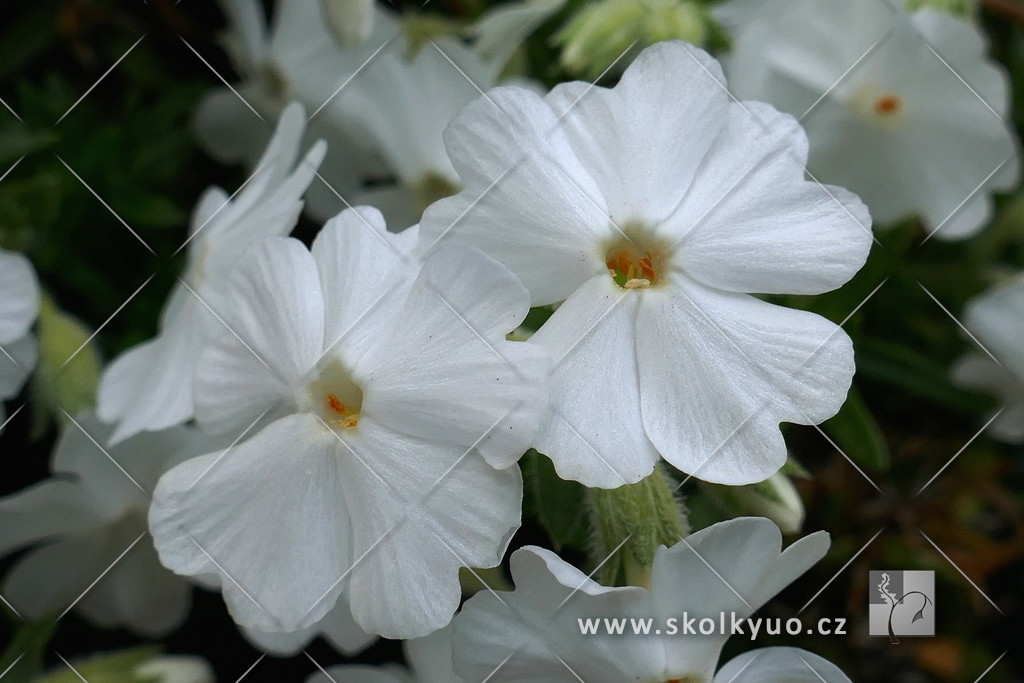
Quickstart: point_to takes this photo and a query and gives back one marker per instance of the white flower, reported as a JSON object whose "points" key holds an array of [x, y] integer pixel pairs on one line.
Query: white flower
{"points": [[429, 659], [149, 387], [996, 320], [19, 305], [296, 58], [905, 110], [534, 632], [337, 627], [653, 208], [390, 402], [79, 522], [503, 29], [382, 110], [405, 105]]}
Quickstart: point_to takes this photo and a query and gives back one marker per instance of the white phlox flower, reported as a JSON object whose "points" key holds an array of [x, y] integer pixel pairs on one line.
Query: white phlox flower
{"points": [[19, 306], [904, 109], [652, 209], [534, 633], [90, 518], [382, 106], [996, 321], [149, 387], [429, 659], [389, 398], [295, 57]]}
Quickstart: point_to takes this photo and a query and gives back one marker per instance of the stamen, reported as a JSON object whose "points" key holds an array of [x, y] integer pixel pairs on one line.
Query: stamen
{"points": [[888, 105], [335, 404]]}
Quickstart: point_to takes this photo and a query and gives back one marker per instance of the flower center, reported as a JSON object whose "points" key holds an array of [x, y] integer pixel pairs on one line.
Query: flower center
{"points": [[887, 105], [879, 106], [335, 397], [636, 260]]}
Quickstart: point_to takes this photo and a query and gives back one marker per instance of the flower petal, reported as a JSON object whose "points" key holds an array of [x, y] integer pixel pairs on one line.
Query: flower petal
{"points": [[264, 515], [642, 141], [45, 509], [449, 356], [15, 366], [276, 332], [719, 371], [139, 593], [19, 296], [527, 202], [337, 627], [364, 270], [149, 386], [733, 566], [430, 657], [50, 578], [780, 665], [751, 223], [419, 512], [595, 433], [533, 634]]}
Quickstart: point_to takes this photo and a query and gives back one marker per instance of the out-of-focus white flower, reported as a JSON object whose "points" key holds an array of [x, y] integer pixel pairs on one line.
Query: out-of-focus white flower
{"points": [[996, 320], [504, 28], [393, 397], [337, 628], [19, 305], [429, 659], [351, 20], [80, 522], [149, 387], [294, 58], [534, 633], [382, 106], [404, 105], [652, 209], [905, 110]]}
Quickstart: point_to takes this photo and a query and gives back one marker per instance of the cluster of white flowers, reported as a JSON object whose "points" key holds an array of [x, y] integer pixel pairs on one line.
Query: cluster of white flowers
{"points": [[327, 433], [902, 108]]}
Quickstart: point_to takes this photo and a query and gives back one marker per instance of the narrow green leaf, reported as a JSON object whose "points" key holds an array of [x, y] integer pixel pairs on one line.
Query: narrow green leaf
{"points": [[23, 659], [558, 505], [907, 370], [857, 434]]}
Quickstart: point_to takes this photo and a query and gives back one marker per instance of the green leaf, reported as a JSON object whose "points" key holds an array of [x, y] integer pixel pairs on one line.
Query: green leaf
{"points": [[558, 505], [857, 434], [907, 370], [23, 659]]}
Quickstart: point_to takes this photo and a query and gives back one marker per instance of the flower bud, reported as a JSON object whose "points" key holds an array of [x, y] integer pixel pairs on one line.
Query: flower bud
{"points": [[69, 365], [775, 498], [602, 31]]}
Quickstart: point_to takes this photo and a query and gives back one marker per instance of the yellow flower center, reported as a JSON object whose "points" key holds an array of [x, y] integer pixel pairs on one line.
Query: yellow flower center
{"points": [[335, 397], [636, 260]]}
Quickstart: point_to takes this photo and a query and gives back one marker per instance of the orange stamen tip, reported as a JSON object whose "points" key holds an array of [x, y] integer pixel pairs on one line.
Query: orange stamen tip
{"points": [[335, 404], [887, 105]]}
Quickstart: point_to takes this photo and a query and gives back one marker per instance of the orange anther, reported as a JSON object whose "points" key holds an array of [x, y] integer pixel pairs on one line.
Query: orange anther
{"points": [[335, 405], [889, 104]]}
